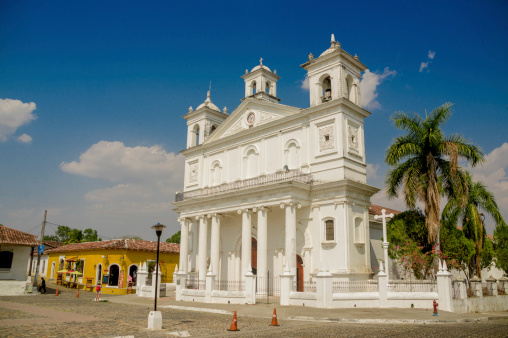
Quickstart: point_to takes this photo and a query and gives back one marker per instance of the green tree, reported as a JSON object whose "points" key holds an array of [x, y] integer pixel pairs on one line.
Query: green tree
{"points": [[501, 247], [456, 247], [424, 162], [67, 235], [175, 238], [90, 235], [469, 211]]}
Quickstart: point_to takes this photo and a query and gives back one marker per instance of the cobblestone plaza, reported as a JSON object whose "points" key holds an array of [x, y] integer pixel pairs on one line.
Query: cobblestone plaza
{"points": [[66, 315]]}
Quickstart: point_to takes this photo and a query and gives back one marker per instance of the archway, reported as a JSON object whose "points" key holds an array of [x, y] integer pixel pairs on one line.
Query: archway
{"points": [[98, 274], [299, 274], [53, 265], [114, 271], [133, 272]]}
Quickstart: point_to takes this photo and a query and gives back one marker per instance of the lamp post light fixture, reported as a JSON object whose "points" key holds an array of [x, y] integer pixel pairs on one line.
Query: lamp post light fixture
{"points": [[158, 231], [155, 317]]}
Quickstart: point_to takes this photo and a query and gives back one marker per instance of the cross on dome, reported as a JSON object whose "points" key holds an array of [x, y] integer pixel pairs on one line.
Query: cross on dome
{"points": [[261, 61]]}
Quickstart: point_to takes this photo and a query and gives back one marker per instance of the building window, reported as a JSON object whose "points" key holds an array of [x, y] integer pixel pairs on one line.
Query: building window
{"points": [[5, 260], [329, 230], [43, 266]]}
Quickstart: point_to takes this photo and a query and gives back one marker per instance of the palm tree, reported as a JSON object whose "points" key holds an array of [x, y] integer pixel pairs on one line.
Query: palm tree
{"points": [[471, 214], [425, 163]]}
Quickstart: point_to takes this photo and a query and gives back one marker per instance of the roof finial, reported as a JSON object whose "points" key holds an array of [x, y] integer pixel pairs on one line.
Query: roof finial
{"points": [[261, 61], [333, 38]]}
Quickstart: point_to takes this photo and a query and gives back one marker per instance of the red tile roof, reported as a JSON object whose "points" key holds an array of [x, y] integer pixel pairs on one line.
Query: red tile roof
{"points": [[16, 237], [119, 244], [376, 210], [52, 244]]}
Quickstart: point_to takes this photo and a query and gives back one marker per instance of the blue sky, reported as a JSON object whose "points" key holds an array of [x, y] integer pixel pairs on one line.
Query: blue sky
{"points": [[109, 82]]}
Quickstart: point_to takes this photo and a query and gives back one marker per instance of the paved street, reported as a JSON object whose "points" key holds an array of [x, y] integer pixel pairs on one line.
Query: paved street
{"points": [[65, 315]]}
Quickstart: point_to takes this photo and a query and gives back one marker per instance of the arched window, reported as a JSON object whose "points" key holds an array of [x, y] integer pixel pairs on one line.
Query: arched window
{"points": [[329, 229], [251, 163], [216, 174], [6, 260], [253, 87], [349, 88], [359, 231], [326, 87], [292, 152], [267, 87], [195, 136], [98, 274], [61, 264]]}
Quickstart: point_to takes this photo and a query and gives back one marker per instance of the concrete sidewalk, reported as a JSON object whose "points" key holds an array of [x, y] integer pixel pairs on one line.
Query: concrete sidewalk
{"points": [[301, 313]]}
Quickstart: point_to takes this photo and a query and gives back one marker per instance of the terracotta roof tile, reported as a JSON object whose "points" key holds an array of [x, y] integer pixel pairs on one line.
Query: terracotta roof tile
{"points": [[119, 244], [16, 237], [376, 210], [52, 244]]}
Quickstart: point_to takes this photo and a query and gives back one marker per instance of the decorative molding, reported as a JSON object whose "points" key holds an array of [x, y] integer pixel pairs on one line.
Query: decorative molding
{"points": [[353, 138], [326, 138], [193, 172]]}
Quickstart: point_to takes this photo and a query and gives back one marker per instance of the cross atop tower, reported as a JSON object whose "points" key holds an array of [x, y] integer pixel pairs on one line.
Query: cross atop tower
{"points": [[261, 61]]}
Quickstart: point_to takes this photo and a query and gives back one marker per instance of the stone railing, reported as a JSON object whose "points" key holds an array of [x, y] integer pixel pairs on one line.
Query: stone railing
{"points": [[355, 286], [279, 177]]}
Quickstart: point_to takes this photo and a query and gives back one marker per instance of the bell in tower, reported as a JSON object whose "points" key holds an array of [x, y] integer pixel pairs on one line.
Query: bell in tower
{"points": [[335, 74], [261, 83]]}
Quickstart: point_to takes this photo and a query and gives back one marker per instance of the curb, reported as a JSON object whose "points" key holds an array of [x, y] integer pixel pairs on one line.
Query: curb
{"points": [[392, 321]]}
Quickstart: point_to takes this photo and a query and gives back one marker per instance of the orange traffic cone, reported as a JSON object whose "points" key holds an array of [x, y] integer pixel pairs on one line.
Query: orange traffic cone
{"points": [[57, 292], [233, 324], [77, 294], [274, 318]]}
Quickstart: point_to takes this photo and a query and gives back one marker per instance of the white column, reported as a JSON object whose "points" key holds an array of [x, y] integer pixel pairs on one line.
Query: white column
{"points": [[184, 246], [290, 247], [262, 259], [203, 241], [246, 241], [214, 246]]}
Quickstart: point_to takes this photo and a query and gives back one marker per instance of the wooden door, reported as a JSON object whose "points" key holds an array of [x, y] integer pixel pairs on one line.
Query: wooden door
{"points": [[299, 274]]}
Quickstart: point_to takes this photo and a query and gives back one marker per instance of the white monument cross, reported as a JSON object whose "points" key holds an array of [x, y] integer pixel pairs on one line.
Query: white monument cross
{"points": [[384, 216]]}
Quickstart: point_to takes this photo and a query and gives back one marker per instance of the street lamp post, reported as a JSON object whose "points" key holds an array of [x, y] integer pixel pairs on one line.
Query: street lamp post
{"points": [[155, 317], [158, 230]]}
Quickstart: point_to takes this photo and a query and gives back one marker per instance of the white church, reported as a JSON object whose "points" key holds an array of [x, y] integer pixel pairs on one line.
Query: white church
{"points": [[273, 190]]}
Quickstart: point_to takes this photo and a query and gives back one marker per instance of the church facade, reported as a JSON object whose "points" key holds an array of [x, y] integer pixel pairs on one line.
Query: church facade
{"points": [[274, 190]]}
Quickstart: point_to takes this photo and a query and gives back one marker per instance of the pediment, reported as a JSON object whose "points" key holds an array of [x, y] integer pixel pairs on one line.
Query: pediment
{"points": [[251, 114]]}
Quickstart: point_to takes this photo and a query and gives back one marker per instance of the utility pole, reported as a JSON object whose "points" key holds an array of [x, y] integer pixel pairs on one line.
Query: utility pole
{"points": [[39, 255]]}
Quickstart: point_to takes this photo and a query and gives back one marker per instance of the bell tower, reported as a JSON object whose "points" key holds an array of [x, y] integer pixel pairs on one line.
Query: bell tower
{"points": [[333, 75], [261, 83], [203, 121]]}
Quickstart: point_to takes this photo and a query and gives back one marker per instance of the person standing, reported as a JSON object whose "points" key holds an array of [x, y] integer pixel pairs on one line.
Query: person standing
{"points": [[98, 290], [42, 286]]}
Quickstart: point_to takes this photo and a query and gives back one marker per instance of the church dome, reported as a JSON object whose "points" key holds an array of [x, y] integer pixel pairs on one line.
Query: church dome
{"points": [[208, 103], [333, 46], [260, 66]]}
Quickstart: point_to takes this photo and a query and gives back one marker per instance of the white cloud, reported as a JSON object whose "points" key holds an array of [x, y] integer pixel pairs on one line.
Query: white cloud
{"points": [[14, 114], [425, 65], [493, 173], [305, 83], [372, 170], [368, 86], [145, 178], [25, 138], [117, 163]]}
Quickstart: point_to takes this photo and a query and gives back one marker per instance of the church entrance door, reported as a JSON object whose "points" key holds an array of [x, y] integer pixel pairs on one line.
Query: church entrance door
{"points": [[299, 274], [254, 256]]}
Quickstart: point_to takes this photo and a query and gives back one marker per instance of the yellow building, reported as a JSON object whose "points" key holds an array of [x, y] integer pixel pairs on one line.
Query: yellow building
{"points": [[113, 263]]}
